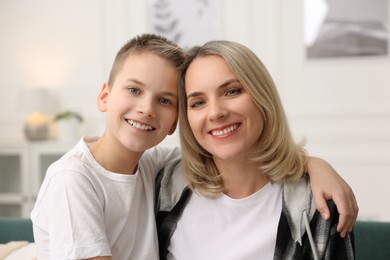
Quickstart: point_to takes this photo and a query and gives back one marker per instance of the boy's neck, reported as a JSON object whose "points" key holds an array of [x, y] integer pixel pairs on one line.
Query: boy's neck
{"points": [[113, 157]]}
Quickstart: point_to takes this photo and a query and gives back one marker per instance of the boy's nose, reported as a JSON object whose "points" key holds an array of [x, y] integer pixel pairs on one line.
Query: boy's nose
{"points": [[147, 108]]}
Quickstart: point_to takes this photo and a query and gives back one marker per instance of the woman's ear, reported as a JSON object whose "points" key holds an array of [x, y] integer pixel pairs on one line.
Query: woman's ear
{"points": [[102, 98]]}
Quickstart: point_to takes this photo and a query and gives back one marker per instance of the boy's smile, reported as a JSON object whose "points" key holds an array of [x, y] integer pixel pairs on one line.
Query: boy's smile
{"points": [[139, 125]]}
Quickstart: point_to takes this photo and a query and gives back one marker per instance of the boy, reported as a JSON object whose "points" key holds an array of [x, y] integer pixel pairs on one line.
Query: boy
{"points": [[97, 200]]}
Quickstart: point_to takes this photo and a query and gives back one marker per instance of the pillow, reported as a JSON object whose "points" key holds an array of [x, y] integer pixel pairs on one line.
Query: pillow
{"points": [[16, 250]]}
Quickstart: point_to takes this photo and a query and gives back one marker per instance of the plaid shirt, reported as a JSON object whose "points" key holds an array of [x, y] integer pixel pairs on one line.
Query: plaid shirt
{"points": [[328, 243]]}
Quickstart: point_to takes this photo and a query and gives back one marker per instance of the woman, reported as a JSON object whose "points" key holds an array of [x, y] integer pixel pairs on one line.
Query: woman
{"points": [[248, 196]]}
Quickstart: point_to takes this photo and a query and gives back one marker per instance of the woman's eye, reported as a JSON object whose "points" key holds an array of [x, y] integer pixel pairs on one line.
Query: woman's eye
{"points": [[235, 91], [134, 91], [196, 104]]}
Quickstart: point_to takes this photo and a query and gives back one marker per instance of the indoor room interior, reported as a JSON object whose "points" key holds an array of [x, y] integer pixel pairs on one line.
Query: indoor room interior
{"points": [[56, 55]]}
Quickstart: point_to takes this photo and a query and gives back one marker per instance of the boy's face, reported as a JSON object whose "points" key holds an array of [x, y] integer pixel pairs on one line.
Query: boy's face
{"points": [[141, 106]]}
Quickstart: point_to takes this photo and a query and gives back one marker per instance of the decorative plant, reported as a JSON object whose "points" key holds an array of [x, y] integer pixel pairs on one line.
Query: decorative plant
{"points": [[67, 115]]}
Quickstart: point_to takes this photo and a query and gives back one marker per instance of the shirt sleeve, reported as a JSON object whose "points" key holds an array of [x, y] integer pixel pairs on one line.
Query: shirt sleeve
{"points": [[75, 218], [160, 156]]}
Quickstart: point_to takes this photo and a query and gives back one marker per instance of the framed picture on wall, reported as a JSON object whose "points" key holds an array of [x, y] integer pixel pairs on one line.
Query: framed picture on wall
{"points": [[186, 22], [334, 28]]}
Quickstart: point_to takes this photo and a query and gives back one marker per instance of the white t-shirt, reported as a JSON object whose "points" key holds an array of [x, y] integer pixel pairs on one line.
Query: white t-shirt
{"points": [[83, 210], [229, 229]]}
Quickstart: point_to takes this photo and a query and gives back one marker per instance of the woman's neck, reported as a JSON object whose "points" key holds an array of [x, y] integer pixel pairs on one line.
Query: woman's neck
{"points": [[241, 178]]}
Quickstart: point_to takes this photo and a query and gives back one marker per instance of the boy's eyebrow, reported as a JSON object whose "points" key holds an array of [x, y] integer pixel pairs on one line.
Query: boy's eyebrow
{"points": [[223, 85], [135, 81], [168, 93]]}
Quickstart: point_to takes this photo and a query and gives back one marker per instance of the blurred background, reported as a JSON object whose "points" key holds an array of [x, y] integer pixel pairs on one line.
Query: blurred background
{"points": [[56, 55]]}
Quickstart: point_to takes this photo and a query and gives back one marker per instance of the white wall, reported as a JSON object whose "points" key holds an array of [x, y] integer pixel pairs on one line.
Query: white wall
{"points": [[65, 46], [342, 106]]}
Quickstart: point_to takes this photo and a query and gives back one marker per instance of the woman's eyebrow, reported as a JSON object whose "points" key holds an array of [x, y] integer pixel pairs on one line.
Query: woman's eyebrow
{"points": [[194, 94], [227, 83], [223, 85]]}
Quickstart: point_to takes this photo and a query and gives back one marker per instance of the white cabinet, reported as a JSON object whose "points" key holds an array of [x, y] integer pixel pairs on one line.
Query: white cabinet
{"points": [[22, 169]]}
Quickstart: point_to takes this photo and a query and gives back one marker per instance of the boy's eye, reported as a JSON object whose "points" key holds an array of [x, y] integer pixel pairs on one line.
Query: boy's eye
{"points": [[165, 101], [133, 90], [234, 91]]}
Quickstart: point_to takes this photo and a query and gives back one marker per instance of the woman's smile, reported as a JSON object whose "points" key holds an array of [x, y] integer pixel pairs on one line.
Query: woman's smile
{"points": [[224, 131]]}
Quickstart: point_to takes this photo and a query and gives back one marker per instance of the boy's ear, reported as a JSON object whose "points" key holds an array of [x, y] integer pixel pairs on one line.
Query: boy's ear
{"points": [[173, 128], [103, 98]]}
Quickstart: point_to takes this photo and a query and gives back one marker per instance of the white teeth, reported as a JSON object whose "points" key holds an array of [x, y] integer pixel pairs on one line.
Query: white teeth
{"points": [[139, 126], [224, 131]]}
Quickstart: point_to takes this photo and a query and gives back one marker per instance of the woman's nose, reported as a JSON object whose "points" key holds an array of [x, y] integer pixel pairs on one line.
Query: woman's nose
{"points": [[216, 110]]}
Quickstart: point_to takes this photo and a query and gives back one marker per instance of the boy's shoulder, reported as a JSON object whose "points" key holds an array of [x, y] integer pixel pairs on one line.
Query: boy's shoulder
{"points": [[161, 150], [161, 155], [77, 159]]}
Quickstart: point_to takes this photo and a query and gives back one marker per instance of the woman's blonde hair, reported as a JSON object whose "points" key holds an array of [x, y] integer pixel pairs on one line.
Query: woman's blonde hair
{"points": [[280, 157]]}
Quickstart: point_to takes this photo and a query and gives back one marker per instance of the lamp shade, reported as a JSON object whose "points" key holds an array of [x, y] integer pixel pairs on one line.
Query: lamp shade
{"points": [[35, 100]]}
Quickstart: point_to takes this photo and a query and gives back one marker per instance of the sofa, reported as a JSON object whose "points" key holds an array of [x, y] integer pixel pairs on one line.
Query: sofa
{"points": [[15, 229], [372, 239], [16, 239]]}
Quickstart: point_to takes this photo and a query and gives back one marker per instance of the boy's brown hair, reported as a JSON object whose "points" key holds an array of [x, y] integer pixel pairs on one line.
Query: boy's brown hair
{"points": [[152, 43]]}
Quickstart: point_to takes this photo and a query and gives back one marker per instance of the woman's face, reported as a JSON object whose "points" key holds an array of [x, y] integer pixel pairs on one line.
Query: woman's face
{"points": [[221, 113]]}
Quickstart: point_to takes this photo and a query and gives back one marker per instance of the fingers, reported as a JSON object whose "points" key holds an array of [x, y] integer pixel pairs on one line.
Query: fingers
{"points": [[348, 210], [327, 184], [321, 205], [343, 225]]}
